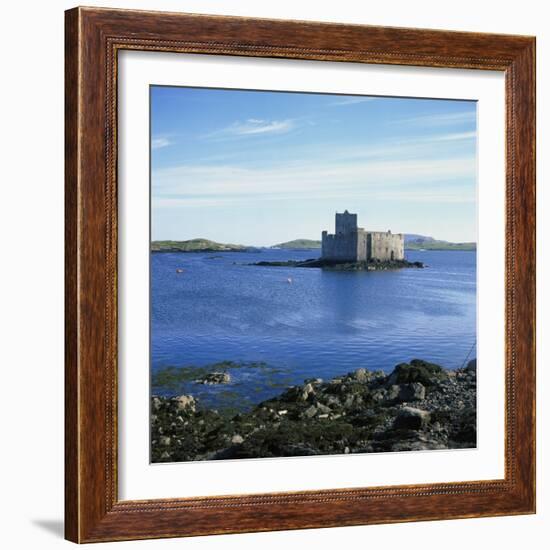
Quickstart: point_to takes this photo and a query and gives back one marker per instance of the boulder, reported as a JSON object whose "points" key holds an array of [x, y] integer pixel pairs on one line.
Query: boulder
{"points": [[307, 390], [361, 375], [409, 418], [237, 439], [472, 366], [412, 392], [332, 401], [155, 402], [426, 373], [350, 399], [400, 393], [215, 378], [393, 393], [185, 402]]}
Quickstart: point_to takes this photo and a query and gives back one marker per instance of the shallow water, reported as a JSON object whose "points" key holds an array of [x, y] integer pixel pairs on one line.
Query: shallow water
{"points": [[320, 324]]}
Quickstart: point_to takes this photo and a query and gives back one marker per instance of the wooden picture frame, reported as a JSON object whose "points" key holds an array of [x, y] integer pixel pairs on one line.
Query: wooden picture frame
{"points": [[93, 511]]}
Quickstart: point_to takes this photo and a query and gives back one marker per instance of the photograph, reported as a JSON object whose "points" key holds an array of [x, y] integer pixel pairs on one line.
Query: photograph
{"points": [[312, 274], [286, 282]]}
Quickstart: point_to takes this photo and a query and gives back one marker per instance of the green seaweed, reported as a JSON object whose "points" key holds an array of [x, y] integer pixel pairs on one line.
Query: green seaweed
{"points": [[173, 377]]}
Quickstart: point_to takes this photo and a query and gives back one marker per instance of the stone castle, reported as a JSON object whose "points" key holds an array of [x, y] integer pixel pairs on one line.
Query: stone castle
{"points": [[353, 244]]}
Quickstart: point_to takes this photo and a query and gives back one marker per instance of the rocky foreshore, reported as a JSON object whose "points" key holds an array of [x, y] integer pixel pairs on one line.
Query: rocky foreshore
{"points": [[418, 406], [374, 265]]}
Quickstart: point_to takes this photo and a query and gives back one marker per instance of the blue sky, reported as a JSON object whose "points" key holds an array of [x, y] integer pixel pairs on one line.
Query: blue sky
{"points": [[260, 168]]}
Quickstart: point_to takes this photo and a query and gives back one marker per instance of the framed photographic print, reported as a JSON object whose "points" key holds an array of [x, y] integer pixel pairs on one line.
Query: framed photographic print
{"points": [[300, 275]]}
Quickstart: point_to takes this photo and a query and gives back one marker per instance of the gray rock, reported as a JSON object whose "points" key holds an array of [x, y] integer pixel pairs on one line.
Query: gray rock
{"points": [[185, 402], [349, 401], [165, 440], [215, 378], [307, 390], [378, 395], [393, 393], [237, 439], [412, 392], [155, 402], [361, 375], [323, 408], [332, 401], [400, 393], [409, 418], [310, 412]]}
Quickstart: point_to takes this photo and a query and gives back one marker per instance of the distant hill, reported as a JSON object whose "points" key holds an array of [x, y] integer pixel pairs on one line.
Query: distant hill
{"points": [[413, 237], [440, 245], [299, 243], [196, 245], [420, 242], [412, 242]]}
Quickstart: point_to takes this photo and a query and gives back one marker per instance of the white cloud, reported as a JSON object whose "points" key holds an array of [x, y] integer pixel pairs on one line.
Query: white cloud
{"points": [[441, 119], [421, 169], [410, 180], [253, 127], [453, 137], [160, 142], [352, 101]]}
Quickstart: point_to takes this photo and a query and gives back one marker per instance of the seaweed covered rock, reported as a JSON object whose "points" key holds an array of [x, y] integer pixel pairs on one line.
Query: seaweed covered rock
{"points": [[215, 378], [417, 370], [418, 406], [409, 418]]}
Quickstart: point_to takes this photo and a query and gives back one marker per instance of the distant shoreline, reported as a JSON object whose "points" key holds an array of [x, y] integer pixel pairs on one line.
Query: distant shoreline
{"points": [[208, 246], [443, 247]]}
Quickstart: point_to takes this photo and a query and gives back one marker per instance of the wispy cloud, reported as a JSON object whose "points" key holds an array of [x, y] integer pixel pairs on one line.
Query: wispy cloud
{"points": [[458, 136], [407, 180], [439, 119], [411, 170], [160, 142], [352, 101], [253, 127]]}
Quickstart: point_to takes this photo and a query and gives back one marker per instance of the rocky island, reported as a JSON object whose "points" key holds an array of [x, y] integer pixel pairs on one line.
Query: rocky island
{"points": [[373, 265], [418, 406]]}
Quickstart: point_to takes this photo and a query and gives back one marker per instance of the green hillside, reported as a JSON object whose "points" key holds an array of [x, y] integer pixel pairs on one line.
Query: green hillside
{"points": [[438, 245], [299, 243], [195, 245]]}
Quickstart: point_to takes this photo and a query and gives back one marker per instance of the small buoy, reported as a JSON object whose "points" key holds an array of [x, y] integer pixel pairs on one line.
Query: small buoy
{"points": [[289, 280], [179, 270]]}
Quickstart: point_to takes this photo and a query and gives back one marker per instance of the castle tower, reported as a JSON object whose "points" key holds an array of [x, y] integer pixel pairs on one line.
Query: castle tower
{"points": [[346, 223]]}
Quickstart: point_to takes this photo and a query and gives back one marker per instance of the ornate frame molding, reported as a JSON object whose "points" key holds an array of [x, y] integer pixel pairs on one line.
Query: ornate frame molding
{"points": [[93, 38]]}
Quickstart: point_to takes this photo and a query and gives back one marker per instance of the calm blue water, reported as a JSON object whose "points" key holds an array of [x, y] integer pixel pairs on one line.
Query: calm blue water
{"points": [[322, 324]]}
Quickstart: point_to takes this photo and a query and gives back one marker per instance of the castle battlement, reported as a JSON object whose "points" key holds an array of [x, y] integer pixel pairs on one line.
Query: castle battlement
{"points": [[350, 243]]}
